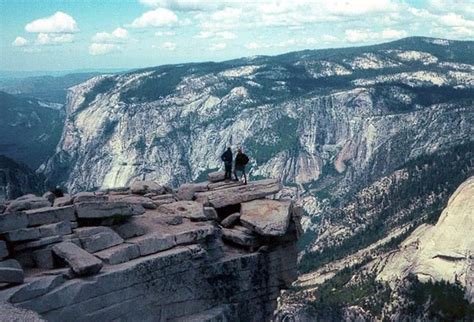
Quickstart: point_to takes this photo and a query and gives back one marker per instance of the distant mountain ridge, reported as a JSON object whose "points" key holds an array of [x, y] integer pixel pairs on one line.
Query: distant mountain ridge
{"points": [[300, 115]]}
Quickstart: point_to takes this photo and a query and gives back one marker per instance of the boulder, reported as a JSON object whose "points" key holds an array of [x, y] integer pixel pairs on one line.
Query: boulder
{"points": [[37, 288], [163, 199], [28, 202], [11, 272], [146, 202], [174, 220], [49, 196], [153, 243], [216, 176], [65, 200], [60, 228], [230, 220], [266, 217], [187, 191], [23, 234], [50, 215], [12, 221], [88, 196], [3, 250], [192, 233], [117, 191], [188, 209], [94, 239], [81, 262], [107, 209], [224, 185], [235, 195], [210, 213], [43, 257], [144, 187], [119, 254], [130, 229], [38, 243], [27, 196], [239, 237]]}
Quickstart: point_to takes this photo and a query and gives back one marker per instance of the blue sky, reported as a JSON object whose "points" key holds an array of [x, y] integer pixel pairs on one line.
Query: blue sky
{"points": [[96, 34]]}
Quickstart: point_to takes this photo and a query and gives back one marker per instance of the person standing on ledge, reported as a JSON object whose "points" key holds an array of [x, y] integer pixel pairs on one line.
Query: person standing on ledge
{"points": [[227, 158], [241, 161]]}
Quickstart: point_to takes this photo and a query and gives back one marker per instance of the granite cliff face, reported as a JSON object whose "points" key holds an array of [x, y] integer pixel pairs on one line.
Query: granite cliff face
{"points": [[319, 119], [209, 251]]}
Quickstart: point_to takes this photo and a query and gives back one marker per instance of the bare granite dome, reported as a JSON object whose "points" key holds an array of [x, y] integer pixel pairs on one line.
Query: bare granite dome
{"points": [[443, 251]]}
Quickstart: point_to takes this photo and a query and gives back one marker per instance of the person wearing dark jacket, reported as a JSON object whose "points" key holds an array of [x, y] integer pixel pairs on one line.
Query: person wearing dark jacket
{"points": [[241, 161], [227, 158]]}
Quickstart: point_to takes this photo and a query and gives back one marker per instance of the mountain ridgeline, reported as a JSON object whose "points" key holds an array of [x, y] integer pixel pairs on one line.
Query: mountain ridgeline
{"points": [[323, 119]]}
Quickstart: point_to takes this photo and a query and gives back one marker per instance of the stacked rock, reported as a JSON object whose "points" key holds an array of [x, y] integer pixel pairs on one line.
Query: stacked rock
{"points": [[155, 238], [47, 232]]}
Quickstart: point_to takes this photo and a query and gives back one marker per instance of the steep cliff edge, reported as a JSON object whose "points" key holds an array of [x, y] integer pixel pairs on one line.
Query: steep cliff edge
{"points": [[213, 250]]}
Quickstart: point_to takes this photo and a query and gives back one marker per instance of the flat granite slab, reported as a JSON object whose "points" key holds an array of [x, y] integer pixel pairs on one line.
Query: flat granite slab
{"points": [[242, 193], [266, 217]]}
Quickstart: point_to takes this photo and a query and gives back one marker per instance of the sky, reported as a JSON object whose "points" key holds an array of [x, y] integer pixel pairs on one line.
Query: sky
{"points": [[55, 35]]}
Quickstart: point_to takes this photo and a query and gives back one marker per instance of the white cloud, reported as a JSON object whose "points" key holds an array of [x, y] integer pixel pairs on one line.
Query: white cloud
{"points": [[54, 39], [117, 36], [156, 18], [185, 5], [357, 35], [97, 49], [254, 45], [60, 22], [392, 34], [329, 38], [311, 41], [227, 35], [164, 33], [460, 6], [218, 46], [455, 20], [20, 42], [286, 43], [360, 7], [227, 14], [361, 36], [168, 45]]}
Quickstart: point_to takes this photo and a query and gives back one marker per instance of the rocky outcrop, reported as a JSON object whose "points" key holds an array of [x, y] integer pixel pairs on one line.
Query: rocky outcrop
{"points": [[439, 252], [102, 259]]}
